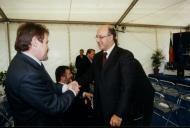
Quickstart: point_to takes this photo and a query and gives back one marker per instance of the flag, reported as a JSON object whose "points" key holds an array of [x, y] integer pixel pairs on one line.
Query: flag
{"points": [[171, 52]]}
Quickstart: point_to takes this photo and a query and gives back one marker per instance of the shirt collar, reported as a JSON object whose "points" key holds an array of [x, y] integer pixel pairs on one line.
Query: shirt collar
{"points": [[33, 57], [89, 59], [109, 50], [61, 83]]}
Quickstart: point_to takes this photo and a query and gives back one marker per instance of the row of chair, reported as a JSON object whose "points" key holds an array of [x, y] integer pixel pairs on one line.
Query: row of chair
{"points": [[171, 102]]}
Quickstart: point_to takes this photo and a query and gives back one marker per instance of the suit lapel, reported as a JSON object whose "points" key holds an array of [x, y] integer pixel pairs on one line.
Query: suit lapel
{"points": [[29, 60], [34, 64]]}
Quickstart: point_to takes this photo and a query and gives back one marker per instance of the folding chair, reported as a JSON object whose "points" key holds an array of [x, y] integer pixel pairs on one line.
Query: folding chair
{"points": [[165, 109], [170, 91], [184, 102], [183, 88], [155, 84]]}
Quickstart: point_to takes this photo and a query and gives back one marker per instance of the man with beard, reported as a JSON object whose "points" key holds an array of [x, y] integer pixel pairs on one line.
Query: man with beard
{"points": [[34, 99]]}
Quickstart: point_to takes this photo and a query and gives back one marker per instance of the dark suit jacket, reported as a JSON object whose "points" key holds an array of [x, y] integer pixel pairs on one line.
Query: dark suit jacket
{"points": [[87, 64], [121, 86], [35, 100], [81, 65]]}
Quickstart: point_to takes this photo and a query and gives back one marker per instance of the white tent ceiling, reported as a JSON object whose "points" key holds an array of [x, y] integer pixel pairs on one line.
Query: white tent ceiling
{"points": [[146, 12], [160, 12]]}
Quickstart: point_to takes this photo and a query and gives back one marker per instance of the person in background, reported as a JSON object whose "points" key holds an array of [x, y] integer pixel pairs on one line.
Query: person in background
{"points": [[34, 99], [79, 63], [63, 75], [87, 63], [76, 115], [89, 88], [90, 55], [123, 95]]}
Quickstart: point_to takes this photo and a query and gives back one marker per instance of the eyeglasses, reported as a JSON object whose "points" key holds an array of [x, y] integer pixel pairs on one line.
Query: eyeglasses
{"points": [[101, 37]]}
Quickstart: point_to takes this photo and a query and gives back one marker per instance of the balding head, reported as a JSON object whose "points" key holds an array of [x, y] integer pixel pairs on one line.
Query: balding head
{"points": [[106, 37]]}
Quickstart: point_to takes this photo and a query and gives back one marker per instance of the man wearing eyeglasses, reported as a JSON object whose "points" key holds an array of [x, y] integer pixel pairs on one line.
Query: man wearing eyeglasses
{"points": [[123, 93]]}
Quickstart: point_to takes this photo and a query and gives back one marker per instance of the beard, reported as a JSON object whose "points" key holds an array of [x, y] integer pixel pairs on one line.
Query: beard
{"points": [[45, 58]]}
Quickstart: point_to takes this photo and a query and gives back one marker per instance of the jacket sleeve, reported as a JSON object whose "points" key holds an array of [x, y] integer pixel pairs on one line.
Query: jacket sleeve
{"points": [[39, 93], [57, 88]]}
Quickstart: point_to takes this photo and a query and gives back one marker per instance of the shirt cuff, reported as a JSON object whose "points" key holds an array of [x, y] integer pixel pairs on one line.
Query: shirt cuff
{"points": [[64, 88], [83, 94]]}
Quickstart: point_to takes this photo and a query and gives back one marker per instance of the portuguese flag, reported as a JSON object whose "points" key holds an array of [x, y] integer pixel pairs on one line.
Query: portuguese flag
{"points": [[171, 52]]}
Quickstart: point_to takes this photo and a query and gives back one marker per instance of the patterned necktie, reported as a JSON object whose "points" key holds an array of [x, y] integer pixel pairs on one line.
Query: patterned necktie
{"points": [[104, 59]]}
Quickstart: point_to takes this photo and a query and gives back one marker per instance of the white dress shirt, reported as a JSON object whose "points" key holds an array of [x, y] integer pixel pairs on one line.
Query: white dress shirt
{"points": [[109, 50]]}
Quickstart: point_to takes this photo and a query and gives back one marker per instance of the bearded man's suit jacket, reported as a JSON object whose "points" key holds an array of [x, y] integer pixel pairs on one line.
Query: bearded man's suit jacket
{"points": [[35, 100]]}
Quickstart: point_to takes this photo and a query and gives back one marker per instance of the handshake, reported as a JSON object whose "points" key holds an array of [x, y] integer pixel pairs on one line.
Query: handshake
{"points": [[74, 87]]}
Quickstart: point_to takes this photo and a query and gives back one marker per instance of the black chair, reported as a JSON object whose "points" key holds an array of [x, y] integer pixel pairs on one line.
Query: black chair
{"points": [[164, 110], [170, 91], [183, 88], [184, 102], [155, 84]]}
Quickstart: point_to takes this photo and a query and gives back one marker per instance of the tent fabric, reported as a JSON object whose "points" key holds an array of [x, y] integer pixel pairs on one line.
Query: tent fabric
{"points": [[151, 12], [66, 39]]}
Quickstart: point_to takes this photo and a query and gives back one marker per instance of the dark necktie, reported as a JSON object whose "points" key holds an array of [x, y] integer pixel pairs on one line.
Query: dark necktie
{"points": [[104, 59], [42, 66]]}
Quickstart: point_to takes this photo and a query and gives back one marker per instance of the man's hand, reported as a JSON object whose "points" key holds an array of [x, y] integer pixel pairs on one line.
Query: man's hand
{"points": [[73, 86], [88, 95], [115, 121]]}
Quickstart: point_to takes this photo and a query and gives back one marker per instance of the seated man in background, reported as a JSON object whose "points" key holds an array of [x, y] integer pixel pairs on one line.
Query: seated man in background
{"points": [[34, 99], [63, 75], [77, 114]]}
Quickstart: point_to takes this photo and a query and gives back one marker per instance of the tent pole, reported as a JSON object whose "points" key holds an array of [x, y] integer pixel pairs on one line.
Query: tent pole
{"points": [[94, 23], [156, 38], [126, 12], [8, 40], [69, 42]]}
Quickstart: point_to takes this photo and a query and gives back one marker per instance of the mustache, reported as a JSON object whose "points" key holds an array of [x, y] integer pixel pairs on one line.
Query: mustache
{"points": [[46, 58]]}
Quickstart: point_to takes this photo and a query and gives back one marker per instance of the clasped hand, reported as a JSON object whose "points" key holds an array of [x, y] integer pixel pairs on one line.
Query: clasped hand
{"points": [[74, 86], [115, 121], [88, 95]]}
